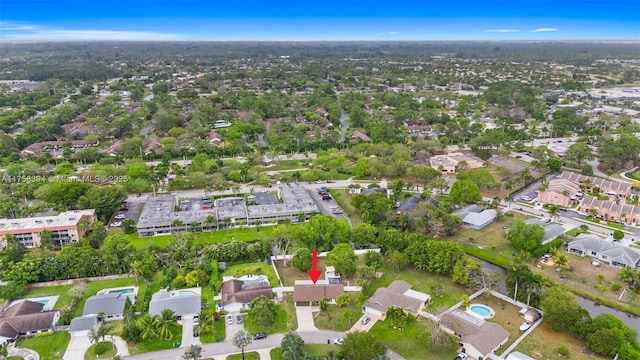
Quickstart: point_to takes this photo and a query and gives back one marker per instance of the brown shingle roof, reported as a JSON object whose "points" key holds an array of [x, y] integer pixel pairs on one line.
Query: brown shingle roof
{"points": [[482, 335], [23, 317], [316, 292], [232, 292], [384, 298]]}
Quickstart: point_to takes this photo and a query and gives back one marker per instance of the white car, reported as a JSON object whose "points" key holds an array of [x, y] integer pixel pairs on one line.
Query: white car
{"points": [[120, 217], [461, 356], [116, 224], [229, 319], [338, 341]]}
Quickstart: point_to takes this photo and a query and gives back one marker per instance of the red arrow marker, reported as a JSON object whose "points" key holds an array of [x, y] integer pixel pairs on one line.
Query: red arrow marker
{"points": [[314, 273]]}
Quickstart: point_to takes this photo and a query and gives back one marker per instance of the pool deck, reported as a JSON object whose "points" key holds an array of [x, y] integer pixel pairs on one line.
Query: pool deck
{"points": [[492, 312], [107, 291]]}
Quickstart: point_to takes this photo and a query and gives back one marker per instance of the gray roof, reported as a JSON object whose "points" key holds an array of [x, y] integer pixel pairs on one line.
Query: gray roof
{"points": [[265, 198], [552, 231], [181, 305], [480, 218], [410, 203], [397, 294], [82, 323], [482, 335], [614, 252], [462, 213], [109, 304]]}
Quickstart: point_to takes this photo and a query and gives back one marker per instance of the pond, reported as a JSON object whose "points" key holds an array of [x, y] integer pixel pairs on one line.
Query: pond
{"points": [[594, 310]]}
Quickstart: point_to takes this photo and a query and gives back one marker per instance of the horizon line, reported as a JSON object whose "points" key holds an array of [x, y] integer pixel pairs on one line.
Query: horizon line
{"points": [[16, 41]]}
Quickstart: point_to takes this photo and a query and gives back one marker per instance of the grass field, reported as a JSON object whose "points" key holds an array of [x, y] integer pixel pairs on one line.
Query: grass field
{"points": [[101, 350], [158, 344], [63, 290], [49, 347], [95, 286], [289, 274], [343, 198], [543, 343], [247, 356], [313, 349], [414, 341], [254, 268]]}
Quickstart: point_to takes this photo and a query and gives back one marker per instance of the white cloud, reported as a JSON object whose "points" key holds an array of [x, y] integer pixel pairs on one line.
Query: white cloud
{"points": [[544, 29], [389, 33], [5, 26], [502, 30], [107, 35]]}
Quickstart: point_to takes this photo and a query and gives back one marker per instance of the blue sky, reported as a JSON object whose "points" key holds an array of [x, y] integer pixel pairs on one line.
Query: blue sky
{"points": [[319, 20]]}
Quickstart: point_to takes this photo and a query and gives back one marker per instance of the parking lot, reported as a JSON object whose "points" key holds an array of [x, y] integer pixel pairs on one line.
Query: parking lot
{"points": [[133, 212], [327, 206]]}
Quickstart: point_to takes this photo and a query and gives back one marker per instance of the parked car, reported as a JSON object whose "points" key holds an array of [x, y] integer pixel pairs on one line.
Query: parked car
{"points": [[196, 320], [116, 224], [229, 319], [120, 217], [365, 320], [461, 356], [196, 331], [595, 263], [338, 341], [239, 319], [124, 207], [259, 336]]}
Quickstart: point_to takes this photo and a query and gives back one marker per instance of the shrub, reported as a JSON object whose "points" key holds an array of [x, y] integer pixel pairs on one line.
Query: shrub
{"points": [[563, 351], [616, 287]]}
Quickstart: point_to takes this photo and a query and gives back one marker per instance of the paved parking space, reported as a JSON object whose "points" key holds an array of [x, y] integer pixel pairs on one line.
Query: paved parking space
{"points": [[305, 318], [358, 325], [78, 345], [187, 332], [232, 329]]}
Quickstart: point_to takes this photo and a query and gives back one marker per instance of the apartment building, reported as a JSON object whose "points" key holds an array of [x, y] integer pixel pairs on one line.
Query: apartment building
{"points": [[65, 227]]}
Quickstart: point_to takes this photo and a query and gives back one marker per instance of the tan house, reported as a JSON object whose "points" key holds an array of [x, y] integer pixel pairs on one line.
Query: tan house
{"points": [[478, 337], [591, 183], [450, 163], [398, 294], [560, 192]]}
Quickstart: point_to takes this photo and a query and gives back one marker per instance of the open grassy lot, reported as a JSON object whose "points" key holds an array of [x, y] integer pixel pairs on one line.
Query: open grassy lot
{"points": [[414, 341], [289, 274], [491, 237], [63, 290], [314, 349], [220, 236], [50, 347], [247, 356], [95, 286], [332, 320], [543, 343], [285, 320], [424, 282], [158, 344], [343, 198], [498, 172], [287, 165], [256, 268]]}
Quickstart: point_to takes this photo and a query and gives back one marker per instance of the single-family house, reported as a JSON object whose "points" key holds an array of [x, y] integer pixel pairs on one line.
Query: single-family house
{"points": [[236, 294], [83, 323], [606, 251], [551, 231], [411, 203], [111, 305], [451, 162], [398, 294], [479, 338], [24, 318], [357, 134], [476, 217], [305, 292], [181, 302]]}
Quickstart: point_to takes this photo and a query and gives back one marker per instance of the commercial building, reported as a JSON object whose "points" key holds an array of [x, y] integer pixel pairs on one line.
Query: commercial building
{"points": [[159, 215], [65, 228]]}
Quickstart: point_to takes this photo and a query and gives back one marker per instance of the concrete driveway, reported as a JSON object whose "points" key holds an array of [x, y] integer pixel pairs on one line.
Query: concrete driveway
{"points": [[78, 345], [305, 318], [22, 352], [358, 325], [232, 329], [187, 332]]}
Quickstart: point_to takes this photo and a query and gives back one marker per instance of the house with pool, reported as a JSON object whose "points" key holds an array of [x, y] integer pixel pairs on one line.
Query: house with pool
{"points": [[109, 303], [185, 302], [398, 294], [26, 318], [480, 338]]}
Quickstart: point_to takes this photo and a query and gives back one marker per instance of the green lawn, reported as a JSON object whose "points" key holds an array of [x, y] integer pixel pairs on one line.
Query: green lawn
{"points": [[63, 290], [543, 342], [287, 165], [289, 274], [218, 333], [15, 358], [424, 282], [101, 350], [256, 268], [221, 236], [285, 320], [49, 347], [247, 356], [94, 286], [158, 344], [332, 319], [414, 341], [595, 220]]}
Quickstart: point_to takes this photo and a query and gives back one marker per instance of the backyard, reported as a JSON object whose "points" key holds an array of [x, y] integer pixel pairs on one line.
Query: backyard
{"points": [[506, 315], [64, 291], [95, 286], [254, 268], [50, 347], [544, 343], [290, 274]]}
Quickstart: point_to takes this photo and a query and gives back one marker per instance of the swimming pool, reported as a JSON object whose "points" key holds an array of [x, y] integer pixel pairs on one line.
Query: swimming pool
{"points": [[253, 278], [186, 293], [482, 311], [43, 301], [121, 291]]}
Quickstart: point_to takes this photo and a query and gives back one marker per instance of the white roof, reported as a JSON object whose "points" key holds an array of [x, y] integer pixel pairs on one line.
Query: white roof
{"points": [[417, 295], [67, 218]]}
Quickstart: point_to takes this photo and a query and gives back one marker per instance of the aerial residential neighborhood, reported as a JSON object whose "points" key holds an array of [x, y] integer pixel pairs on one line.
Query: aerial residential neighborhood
{"points": [[368, 195]]}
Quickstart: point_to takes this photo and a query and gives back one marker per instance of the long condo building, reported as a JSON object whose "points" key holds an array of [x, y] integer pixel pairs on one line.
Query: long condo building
{"points": [[65, 227]]}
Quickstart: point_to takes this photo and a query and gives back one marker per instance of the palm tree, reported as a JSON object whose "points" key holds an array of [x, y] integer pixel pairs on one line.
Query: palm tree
{"points": [[98, 333], [235, 189], [210, 220], [193, 352], [227, 223], [194, 227], [562, 261], [324, 305], [241, 339], [206, 322], [395, 314], [165, 322], [177, 223], [147, 325], [291, 346]]}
